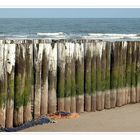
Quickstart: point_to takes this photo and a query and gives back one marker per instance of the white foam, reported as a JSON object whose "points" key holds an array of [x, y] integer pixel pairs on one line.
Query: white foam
{"points": [[51, 34], [111, 36], [62, 35]]}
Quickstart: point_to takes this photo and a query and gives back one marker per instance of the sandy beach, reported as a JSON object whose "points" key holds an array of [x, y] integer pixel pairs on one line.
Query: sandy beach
{"points": [[120, 119]]}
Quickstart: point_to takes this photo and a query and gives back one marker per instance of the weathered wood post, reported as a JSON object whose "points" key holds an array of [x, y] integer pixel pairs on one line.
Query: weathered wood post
{"points": [[124, 51], [128, 71], [73, 85], [10, 83], [44, 78], [68, 77], [103, 74], [3, 82], [60, 75], [79, 76], [19, 83], [107, 76], [27, 116], [87, 83], [52, 78], [38, 53], [33, 85], [133, 73], [138, 72], [93, 77], [119, 68], [99, 47], [113, 76]]}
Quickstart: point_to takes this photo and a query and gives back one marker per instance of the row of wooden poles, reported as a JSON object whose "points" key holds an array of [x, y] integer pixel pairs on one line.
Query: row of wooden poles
{"points": [[39, 77]]}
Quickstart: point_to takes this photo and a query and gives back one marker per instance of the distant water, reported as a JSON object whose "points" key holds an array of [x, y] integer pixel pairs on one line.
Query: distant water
{"points": [[69, 27]]}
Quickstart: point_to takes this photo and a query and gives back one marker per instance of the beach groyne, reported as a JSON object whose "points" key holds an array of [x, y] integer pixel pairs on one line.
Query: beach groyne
{"points": [[42, 76]]}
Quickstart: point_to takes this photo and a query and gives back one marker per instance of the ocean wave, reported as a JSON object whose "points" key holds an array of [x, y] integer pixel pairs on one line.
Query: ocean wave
{"points": [[57, 35], [111, 36], [13, 36], [51, 34], [61, 35]]}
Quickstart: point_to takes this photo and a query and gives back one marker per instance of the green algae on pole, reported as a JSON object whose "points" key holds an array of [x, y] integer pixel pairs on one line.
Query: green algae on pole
{"points": [[27, 116], [79, 76], [10, 83], [5, 77], [68, 53], [138, 72], [38, 52], [87, 83], [121, 95], [93, 77], [44, 78], [3, 80], [113, 76], [128, 71], [98, 80], [99, 83], [107, 76], [73, 85], [133, 73], [60, 75], [124, 51], [103, 74], [19, 84], [119, 69], [52, 78]]}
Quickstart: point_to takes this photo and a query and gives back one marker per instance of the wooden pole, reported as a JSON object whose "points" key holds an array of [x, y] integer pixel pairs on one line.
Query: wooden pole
{"points": [[38, 53], [44, 79], [138, 72], [99, 46], [124, 51], [73, 85], [87, 73], [19, 84], [93, 77], [79, 76], [52, 78], [68, 77], [3, 84], [60, 75], [113, 76], [128, 71], [103, 74], [10, 84], [107, 76], [119, 68], [133, 73], [27, 116]]}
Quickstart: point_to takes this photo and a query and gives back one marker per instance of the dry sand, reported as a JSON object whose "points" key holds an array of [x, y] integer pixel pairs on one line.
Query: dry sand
{"points": [[120, 119]]}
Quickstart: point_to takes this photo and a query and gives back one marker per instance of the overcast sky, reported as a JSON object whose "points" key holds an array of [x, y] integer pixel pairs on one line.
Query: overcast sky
{"points": [[69, 13]]}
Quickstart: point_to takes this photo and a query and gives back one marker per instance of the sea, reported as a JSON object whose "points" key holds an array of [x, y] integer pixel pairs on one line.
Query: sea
{"points": [[70, 27]]}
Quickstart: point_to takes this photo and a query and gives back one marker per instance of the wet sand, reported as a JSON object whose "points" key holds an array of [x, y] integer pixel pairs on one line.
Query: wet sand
{"points": [[120, 119]]}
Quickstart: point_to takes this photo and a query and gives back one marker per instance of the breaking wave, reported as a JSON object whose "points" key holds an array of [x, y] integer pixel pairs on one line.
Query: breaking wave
{"points": [[62, 35], [52, 35], [112, 36]]}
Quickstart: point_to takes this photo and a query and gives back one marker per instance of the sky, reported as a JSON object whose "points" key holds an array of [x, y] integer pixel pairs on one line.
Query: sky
{"points": [[69, 12]]}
